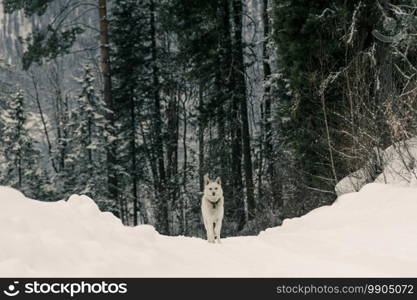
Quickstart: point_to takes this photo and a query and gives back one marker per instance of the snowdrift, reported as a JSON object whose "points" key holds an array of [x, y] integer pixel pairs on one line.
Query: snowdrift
{"points": [[399, 167], [368, 233]]}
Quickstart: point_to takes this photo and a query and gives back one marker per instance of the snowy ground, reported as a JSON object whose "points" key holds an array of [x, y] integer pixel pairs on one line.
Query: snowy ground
{"points": [[369, 233], [398, 168]]}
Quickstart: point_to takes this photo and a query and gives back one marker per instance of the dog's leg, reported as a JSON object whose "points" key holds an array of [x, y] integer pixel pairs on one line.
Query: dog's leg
{"points": [[217, 230], [209, 230]]}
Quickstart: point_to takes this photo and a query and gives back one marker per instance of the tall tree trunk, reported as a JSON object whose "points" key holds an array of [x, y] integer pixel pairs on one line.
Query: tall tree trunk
{"points": [[19, 169], [172, 156], [267, 97], [133, 170], [44, 125], [384, 73], [221, 153], [162, 199], [89, 151], [201, 168], [58, 115], [235, 211], [240, 91], [107, 92], [271, 174], [184, 168]]}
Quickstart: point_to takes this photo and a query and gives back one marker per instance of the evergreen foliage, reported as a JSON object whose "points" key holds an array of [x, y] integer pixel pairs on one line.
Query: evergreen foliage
{"points": [[181, 90]]}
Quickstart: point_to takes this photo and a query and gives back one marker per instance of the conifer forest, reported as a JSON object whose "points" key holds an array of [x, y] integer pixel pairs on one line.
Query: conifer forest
{"points": [[132, 102]]}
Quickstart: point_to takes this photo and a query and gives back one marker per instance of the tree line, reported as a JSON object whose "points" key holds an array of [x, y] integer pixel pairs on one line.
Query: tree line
{"points": [[169, 97]]}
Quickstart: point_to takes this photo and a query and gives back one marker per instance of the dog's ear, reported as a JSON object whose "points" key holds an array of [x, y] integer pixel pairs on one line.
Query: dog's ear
{"points": [[218, 180], [206, 179]]}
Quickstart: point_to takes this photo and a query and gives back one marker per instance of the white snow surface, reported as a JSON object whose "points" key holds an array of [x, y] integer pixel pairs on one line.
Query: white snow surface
{"points": [[399, 168], [367, 233]]}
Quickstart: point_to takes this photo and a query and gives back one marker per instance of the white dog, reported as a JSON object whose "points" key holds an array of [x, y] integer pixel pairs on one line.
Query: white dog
{"points": [[212, 208]]}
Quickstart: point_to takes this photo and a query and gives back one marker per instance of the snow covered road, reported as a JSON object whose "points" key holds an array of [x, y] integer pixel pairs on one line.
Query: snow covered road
{"points": [[369, 233]]}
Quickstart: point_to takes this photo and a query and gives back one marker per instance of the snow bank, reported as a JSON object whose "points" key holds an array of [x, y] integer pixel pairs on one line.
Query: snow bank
{"points": [[399, 163], [369, 233]]}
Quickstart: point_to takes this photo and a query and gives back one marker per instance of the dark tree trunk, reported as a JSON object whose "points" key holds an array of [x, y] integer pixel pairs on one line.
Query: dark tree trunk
{"points": [[133, 170], [107, 92], [241, 98], [162, 199], [172, 156], [221, 149], [59, 119], [44, 125], [19, 169], [201, 137], [267, 97], [184, 168], [384, 69], [271, 174], [89, 151], [235, 210]]}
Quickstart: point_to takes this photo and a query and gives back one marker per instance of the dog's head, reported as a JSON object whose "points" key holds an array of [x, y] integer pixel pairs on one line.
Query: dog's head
{"points": [[212, 189]]}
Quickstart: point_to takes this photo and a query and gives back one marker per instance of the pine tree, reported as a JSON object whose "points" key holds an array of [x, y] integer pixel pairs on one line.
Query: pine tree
{"points": [[139, 103], [210, 43], [315, 45], [55, 40], [86, 160], [19, 154], [129, 24]]}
